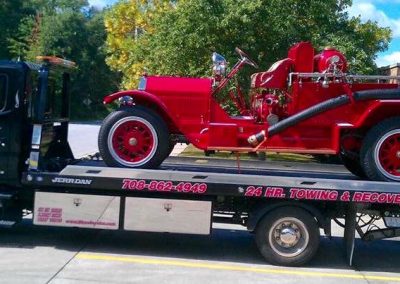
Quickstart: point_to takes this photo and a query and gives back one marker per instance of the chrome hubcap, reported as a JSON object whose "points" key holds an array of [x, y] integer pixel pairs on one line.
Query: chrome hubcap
{"points": [[287, 234], [133, 141], [288, 237]]}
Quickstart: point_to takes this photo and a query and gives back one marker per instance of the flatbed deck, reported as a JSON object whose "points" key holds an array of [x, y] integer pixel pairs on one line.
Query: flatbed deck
{"points": [[281, 180]]}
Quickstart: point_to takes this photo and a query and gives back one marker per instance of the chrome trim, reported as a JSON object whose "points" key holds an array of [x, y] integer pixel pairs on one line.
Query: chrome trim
{"points": [[288, 237], [347, 77], [142, 83]]}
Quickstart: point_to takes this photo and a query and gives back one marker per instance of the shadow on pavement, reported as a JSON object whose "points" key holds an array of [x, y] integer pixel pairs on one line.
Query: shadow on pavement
{"points": [[223, 245]]}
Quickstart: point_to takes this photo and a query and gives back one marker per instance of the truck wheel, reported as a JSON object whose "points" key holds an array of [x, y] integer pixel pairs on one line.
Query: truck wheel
{"points": [[133, 137], [353, 165], [288, 236], [380, 153]]}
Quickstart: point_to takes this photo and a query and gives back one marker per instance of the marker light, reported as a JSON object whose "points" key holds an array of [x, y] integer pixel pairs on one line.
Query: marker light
{"points": [[56, 61]]}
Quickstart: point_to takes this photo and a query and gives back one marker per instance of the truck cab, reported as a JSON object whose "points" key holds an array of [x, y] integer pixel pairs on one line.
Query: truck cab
{"points": [[34, 111]]}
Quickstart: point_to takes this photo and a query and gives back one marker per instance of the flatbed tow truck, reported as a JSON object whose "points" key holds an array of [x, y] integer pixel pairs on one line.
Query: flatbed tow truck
{"points": [[285, 206]]}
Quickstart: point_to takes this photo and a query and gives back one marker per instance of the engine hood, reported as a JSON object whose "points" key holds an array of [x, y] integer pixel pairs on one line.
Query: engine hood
{"points": [[168, 85]]}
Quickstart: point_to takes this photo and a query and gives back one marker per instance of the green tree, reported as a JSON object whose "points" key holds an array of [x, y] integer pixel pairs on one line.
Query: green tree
{"points": [[70, 30], [185, 36], [11, 13]]}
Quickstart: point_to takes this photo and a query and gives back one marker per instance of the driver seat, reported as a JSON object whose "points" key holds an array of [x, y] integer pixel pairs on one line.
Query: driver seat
{"points": [[275, 77]]}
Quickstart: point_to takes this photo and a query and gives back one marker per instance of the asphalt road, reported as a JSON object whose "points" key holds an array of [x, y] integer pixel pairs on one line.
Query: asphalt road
{"points": [[67, 255], [33, 254]]}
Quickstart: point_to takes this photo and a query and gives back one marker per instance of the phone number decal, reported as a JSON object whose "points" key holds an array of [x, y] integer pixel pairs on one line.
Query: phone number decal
{"points": [[157, 185]]}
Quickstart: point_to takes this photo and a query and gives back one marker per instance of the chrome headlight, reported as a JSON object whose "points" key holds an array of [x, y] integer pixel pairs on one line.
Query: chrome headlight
{"points": [[142, 83], [219, 64]]}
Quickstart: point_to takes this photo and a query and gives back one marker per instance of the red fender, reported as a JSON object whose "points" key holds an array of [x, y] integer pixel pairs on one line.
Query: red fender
{"points": [[138, 96], [145, 98]]}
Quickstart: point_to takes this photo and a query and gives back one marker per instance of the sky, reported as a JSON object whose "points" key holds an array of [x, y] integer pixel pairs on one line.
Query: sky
{"points": [[385, 12]]}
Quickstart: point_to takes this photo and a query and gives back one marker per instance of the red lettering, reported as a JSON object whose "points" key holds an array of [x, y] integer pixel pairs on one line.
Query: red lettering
{"points": [[274, 192], [382, 198], [125, 183], [333, 195], [374, 197], [390, 198], [293, 192], [357, 196], [313, 194]]}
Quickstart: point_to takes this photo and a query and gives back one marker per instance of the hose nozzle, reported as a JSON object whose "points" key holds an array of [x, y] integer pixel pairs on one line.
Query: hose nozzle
{"points": [[257, 138]]}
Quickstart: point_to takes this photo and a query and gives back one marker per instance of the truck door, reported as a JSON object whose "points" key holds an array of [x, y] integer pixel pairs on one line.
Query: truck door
{"points": [[11, 84]]}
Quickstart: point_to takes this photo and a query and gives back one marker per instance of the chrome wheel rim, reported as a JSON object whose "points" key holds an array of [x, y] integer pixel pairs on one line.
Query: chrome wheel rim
{"points": [[288, 237]]}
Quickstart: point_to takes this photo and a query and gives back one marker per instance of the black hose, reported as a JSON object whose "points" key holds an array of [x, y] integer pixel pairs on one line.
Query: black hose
{"points": [[382, 94]]}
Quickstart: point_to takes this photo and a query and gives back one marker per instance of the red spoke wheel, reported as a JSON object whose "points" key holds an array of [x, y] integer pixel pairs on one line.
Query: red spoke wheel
{"points": [[133, 137], [380, 152], [387, 154], [132, 140]]}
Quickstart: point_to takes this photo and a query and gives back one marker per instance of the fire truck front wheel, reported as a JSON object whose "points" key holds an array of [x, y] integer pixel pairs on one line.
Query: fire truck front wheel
{"points": [[134, 137]]}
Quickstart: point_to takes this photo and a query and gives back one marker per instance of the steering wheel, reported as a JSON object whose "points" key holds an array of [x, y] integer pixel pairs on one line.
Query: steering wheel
{"points": [[246, 58]]}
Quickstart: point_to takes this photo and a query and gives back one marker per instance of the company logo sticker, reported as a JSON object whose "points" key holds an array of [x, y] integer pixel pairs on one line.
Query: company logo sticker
{"points": [[71, 180]]}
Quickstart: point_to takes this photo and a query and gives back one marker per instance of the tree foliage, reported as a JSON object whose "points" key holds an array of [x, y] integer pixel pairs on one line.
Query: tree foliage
{"points": [[71, 30], [185, 35], [11, 13], [125, 23]]}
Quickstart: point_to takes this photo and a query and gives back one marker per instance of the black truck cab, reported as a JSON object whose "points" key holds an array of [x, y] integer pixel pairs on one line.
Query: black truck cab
{"points": [[34, 107]]}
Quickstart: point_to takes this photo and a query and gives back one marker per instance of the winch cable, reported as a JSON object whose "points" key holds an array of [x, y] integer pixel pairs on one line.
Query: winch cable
{"points": [[377, 94]]}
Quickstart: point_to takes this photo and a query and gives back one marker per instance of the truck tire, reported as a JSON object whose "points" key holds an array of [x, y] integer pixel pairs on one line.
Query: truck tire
{"points": [[134, 137], [288, 236], [380, 152], [353, 165]]}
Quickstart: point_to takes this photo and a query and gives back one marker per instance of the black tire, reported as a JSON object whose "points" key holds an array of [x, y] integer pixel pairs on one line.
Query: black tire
{"points": [[373, 147], [353, 165], [154, 127], [307, 236]]}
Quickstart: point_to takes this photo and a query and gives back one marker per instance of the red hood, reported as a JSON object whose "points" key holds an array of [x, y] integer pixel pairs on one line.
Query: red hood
{"points": [[168, 85]]}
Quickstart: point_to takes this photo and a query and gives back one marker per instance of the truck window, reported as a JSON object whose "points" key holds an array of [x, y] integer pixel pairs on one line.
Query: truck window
{"points": [[54, 97], [3, 91]]}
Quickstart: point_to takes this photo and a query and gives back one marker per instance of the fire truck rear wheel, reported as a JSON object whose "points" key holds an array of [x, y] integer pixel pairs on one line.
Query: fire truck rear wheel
{"points": [[352, 164], [134, 137], [288, 236], [380, 153]]}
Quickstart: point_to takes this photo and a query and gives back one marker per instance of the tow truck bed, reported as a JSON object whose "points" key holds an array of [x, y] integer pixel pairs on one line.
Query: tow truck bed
{"points": [[222, 177], [202, 191]]}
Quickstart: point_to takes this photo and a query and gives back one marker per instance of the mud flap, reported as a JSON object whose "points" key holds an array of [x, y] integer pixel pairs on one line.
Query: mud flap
{"points": [[350, 233]]}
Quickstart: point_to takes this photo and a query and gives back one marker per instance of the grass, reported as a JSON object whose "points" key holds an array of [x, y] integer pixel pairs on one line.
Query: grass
{"points": [[192, 151]]}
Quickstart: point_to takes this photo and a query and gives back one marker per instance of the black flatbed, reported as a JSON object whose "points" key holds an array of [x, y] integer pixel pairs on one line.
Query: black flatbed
{"points": [[255, 179], [248, 167]]}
